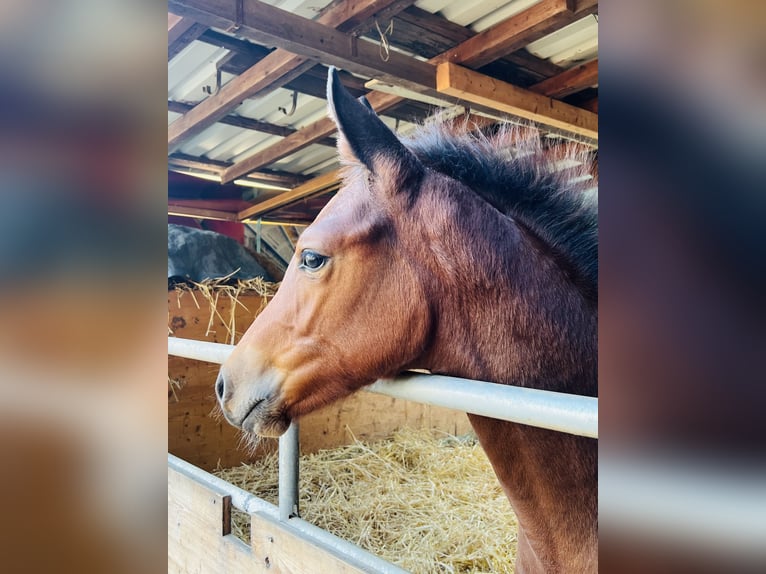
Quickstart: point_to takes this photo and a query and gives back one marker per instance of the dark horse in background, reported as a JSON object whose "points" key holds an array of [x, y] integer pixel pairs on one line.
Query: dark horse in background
{"points": [[464, 254]]}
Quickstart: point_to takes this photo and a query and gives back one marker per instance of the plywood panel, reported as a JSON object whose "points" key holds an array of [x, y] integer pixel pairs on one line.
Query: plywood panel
{"points": [[199, 538]]}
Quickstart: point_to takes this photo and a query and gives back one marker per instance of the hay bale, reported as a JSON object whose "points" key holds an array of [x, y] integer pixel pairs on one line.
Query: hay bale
{"points": [[426, 501]]}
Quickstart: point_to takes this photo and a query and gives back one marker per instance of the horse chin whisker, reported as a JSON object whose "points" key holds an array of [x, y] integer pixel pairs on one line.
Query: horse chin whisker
{"points": [[249, 442]]}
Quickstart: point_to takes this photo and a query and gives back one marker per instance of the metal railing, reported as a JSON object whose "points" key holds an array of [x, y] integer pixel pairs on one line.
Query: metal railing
{"points": [[555, 411], [561, 412]]}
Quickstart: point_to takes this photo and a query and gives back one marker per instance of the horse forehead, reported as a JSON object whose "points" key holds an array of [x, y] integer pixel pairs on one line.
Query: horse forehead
{"points": [[342, 218]]}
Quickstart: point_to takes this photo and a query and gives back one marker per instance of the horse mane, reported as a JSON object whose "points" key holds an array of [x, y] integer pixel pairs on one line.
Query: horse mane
{"points": [[550, 192]]}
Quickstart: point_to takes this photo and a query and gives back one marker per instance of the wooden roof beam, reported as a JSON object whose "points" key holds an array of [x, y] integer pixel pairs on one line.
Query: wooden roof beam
{"points": [[570, 81], [201, 213], [248, 123], [181, 33], [184, 161], [511, 34], [483, 90], [315, 186], [280, 66]]}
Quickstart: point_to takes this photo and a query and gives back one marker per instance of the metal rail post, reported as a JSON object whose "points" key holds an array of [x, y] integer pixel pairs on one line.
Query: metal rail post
{"points": [[289, 451]]}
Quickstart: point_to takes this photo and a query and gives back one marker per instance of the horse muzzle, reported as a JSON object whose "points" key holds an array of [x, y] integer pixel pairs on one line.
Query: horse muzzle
{"points": [[252, 406]]}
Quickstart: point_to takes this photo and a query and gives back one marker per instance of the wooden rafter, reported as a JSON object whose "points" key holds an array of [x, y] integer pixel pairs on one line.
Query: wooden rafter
{"points": [[248, 123], [512, 33], [319, 184], [184, 161], [570, 81], [483, 90], [201, 213], [276, 69], [181, 33], [431, 35]]}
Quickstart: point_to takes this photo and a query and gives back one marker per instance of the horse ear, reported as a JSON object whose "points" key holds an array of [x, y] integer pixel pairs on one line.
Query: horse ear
{"points": [[362, 135], [366, 103]]}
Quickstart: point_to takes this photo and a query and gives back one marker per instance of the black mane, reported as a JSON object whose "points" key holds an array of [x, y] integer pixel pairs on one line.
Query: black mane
{"points": [[512, 172]]}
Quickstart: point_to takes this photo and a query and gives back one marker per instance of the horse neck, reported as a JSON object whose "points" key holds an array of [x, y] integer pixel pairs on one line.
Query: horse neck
{"points": [[509, 314], [532, 328]]}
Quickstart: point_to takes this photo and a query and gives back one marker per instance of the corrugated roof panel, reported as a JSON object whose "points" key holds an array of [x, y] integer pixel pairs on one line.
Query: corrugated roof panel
{"points": [[259, 143], [202, 143], [466, 13], [301, 161], [573, 43], [502, 13], [306, 111], [237, 142], [433, 6], [258, 108], [192, 68], [266, 108]]}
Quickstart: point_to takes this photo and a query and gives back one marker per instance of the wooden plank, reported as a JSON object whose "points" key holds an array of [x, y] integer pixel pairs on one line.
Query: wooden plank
{"points": [[300, 139], [196, 542], [252, 51], [486, 91], [283, 550], [275, 70], [358, 16], [184, 161], [181, 33], [311, 187], [569, 81], [248, 123], [200, 539], [239, 121], [431, 34], [197, 212], [215, 166], [511, 34]]}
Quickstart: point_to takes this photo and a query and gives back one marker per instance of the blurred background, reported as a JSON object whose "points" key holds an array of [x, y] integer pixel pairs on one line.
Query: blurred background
{"points": [[83, 175]]}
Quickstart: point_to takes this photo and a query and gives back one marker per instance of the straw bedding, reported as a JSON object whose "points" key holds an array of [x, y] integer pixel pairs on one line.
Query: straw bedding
{"points": [[215, 291], [426, 501]]}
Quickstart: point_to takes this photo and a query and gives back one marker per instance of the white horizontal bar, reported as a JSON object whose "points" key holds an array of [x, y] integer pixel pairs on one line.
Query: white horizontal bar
{"points": [[572, 414], [199, 350], [545, 409]]}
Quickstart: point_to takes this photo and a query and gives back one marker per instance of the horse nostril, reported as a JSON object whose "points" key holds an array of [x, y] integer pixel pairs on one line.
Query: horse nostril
{"points": [[220, 387]]}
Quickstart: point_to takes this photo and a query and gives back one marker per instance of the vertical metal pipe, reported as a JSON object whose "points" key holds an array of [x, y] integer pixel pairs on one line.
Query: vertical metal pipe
{"points": [[289, 451]]}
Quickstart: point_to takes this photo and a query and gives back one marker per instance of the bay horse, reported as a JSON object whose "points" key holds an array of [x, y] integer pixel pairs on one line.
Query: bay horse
{"points": [[464, 254]]}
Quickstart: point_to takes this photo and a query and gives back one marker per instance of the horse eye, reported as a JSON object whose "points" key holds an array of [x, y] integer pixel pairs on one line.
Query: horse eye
{"points": [[312, 260]]}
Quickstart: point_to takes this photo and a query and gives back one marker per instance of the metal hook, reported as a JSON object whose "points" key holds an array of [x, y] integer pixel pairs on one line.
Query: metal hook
{"points": [[208, 90], [292, 109]]}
